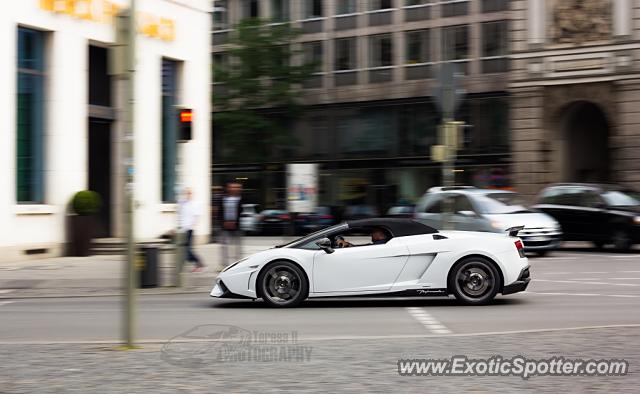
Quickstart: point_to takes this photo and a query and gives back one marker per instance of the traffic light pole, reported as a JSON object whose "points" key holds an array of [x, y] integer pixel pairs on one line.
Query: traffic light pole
{"points": [[130, 278]]}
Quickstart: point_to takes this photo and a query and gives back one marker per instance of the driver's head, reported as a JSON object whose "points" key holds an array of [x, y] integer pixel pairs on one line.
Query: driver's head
{"points": [[378, 235]]}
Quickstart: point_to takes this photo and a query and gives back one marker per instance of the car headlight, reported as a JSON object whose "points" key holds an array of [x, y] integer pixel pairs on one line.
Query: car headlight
{"points": [[227, 268], [636, 220]]}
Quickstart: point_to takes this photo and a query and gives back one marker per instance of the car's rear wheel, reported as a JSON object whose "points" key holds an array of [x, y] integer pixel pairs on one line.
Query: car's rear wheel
{"points": [[474, 281], [621, 240], [282, 284]]}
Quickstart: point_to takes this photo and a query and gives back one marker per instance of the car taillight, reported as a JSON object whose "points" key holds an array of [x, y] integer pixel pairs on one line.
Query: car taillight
{"points": [[283, 217], [520, 248], [326, 217]]}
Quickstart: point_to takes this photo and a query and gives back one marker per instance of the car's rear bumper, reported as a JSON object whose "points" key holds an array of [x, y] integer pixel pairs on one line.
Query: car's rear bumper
{"points": [[520, 284]]}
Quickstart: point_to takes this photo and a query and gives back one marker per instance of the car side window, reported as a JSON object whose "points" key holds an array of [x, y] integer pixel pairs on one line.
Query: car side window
{"points": [[462, 203], [561, 196], [591, 199], [434, 206]]}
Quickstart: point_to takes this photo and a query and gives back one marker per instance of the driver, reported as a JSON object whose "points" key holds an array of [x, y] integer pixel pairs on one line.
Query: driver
{"points": [[379, 236], [342, 243]]}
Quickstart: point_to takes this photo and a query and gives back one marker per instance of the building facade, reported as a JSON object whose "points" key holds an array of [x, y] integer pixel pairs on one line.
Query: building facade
{"points": [[575, 92], [60, 127], [372, 109]]}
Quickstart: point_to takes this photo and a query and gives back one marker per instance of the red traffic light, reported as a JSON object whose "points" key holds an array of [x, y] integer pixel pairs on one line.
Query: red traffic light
{"points": [[186, 116]]}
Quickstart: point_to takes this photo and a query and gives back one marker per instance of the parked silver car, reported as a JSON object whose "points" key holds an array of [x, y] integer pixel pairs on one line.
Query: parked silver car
{"points": [[489, 210]]}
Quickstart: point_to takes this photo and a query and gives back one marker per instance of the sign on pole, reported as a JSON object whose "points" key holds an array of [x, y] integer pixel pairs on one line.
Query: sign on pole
{"points": [[302, 187]]}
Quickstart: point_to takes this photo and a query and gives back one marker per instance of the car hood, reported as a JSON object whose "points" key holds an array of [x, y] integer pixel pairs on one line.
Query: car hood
{"points": [[529, 220], [630, 208]]}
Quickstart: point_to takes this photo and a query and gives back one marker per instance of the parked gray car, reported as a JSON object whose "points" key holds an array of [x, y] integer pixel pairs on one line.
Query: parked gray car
{"points": [[489, 210]]}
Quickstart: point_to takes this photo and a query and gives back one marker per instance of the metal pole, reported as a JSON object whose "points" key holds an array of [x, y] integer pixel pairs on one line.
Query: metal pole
{"points": [[130, 277], [179, 238]]}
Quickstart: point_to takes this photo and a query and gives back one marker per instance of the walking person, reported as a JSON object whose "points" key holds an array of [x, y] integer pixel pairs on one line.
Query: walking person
{"points": [[189, 213], [228, 212]]}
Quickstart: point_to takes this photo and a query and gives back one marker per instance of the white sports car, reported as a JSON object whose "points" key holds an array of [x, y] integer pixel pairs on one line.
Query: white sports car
{"points": [[398, 257]]}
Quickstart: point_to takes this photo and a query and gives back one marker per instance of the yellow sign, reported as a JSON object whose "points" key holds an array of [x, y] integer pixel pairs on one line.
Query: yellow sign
{"points": [[104, 11]]}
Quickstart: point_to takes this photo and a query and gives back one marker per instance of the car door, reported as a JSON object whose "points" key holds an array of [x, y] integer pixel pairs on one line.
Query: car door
{"points": [[430, 212], [359, 268], [464, 217]]}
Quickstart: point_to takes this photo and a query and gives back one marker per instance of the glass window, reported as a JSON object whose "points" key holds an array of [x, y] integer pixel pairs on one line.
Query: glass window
{"points": [[494, 39], [380, 50], [346, 56], [455, 42], [250, 9], [29, 116], [417, 47], [313, 9], [346, 7], [220, 15], [435, 207], [313, 53], [616, 198], [169, 128], [495, 5], [562, 196], [455, 8], [416, 2], [381, 4], [462, 204], [280, 10]]}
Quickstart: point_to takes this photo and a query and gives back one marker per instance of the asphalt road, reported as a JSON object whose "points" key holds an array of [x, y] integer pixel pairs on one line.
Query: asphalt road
{"points": [[569, 290], [580, 304]]}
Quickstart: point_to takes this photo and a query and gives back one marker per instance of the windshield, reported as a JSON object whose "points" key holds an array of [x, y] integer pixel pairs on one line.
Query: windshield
{"points": [[317, 234], [617, 198], [500, 203]]}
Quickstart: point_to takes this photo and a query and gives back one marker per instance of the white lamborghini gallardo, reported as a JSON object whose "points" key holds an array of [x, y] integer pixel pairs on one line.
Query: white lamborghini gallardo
{"points": [[397, 257]]}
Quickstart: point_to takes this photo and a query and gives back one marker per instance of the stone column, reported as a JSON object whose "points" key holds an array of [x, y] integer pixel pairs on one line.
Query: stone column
{"points": [[530, 166], [625, 137]]}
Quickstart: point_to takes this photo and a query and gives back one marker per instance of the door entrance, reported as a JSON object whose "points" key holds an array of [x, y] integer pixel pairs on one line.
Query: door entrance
{"points": [[100, 171]]}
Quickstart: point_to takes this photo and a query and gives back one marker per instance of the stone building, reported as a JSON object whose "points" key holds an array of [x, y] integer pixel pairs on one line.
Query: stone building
{"points": [[575, 92]]}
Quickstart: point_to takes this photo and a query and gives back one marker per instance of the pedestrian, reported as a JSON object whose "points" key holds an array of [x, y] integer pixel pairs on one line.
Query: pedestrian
{"points": [[228, 212], [188, 215]]}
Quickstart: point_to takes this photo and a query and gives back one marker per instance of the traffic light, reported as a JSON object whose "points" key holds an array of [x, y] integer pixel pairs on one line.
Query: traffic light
{"points": [[185, 117]]}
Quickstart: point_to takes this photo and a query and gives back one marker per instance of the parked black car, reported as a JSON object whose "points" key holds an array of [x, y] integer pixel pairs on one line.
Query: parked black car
{"points": [[274, 222], [309, 222], [602, 214]]}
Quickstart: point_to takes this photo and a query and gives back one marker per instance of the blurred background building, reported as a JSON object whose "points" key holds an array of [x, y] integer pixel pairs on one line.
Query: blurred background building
{"points": [[575, 92], [370, 116], [551, 95], [60, 109]]}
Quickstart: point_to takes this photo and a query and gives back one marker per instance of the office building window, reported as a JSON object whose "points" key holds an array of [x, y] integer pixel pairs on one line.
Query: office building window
{"points": [[280, 10], [455, 42], [220, 15], [30, 117], [495, 5], [346, 58], [380, 50], [494, 47], [169, 128], [250, 9], [313, 9], [409, 3], [313, 53], [417, 47], [454, 8], [381, 4], [346, 7]]}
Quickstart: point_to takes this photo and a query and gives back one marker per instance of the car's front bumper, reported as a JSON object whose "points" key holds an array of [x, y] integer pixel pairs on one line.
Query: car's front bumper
{"points": [[520, 284], [534, 243], [220, 290]]}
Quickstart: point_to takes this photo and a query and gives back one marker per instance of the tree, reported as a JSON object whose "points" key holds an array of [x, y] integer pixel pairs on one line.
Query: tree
{"points": [[258, 90]]}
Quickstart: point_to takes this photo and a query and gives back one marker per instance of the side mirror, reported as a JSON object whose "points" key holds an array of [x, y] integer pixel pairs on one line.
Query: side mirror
{"points": [[467, 213], [325, 244]]}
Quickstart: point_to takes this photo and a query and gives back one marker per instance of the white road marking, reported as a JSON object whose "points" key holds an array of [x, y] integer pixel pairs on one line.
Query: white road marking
{"points": [[587, 283], [6, 302], [428, 321], [5, 291], [629, 272], [595, 272], [584, 294]]}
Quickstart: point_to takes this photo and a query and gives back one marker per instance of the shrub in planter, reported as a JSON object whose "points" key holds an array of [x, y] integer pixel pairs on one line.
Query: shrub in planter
{"points": [[85, 204]]}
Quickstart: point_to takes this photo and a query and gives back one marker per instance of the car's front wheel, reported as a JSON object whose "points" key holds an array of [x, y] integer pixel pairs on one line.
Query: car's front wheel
{"points": [[621, 240], [474, 281], [282, 284]]}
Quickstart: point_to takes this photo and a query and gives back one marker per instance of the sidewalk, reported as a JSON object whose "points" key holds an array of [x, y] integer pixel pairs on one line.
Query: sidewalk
{"points": [[99, 275], [103, 275]]}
